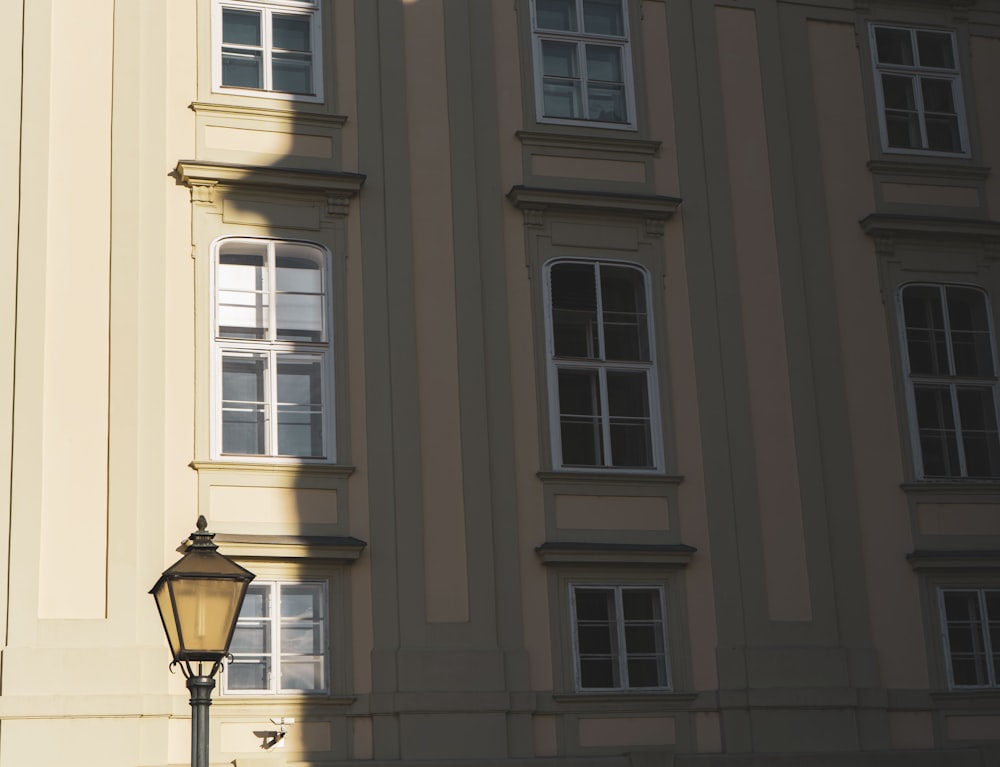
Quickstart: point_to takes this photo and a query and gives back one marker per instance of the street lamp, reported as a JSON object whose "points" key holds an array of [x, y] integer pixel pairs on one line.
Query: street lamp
{"points": [[199, 598]]}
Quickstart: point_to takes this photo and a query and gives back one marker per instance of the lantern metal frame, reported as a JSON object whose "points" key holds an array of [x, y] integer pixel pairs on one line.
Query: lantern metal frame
{"points": [[201, 563]]}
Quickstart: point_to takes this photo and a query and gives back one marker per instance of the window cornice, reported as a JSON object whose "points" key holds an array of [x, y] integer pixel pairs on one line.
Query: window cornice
{"points": [[978, 560], [656, 554], [342, 549], [203, 177]]}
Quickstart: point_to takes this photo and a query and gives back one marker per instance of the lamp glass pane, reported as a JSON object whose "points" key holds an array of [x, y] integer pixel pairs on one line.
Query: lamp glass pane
{"points": [[166, 608], [206, 610]]}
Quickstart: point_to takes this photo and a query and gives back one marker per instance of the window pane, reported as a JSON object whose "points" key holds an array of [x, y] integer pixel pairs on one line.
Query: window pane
{"points": [[936, 423], [623, 299], [935, 50], [580, 416], [927, 344], [562, 99], [603, 17], [604, 63], [574, 310], [256, 603], [556, 14], [299, 277], [971, 338], [943, 134], [243, 409], [242, 70], [302, 601], [897, 91], [302, 674], [244, 674], [560, 59], [302, 639], [594, 639], [641, 639], [240, 27], [291, 33], [598, 673], [299, 317], [628, 405], [893, 46], [292, 72], [646, 672], [241, 284], [641, 604], [903, 130], [979, 431], [938, 95], [593, 604], [300, 409], [606, 103], [251, 638]]}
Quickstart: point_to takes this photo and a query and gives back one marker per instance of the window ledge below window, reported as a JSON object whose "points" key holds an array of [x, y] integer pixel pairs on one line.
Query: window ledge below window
{"points": [[958, 167], [608, 478], [981, 559], [343, 549], [249, 702], [664, 698], [657, 554], [287, 469], [562, 140], [981, 698]]}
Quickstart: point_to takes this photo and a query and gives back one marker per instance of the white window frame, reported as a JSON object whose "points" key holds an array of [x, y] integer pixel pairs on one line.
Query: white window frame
{"points": [[275, 620], [271, 349], [952, 382], [603, 366], [619, 652], [310, 8], [581, 39], [915, 72], [991, 671]]}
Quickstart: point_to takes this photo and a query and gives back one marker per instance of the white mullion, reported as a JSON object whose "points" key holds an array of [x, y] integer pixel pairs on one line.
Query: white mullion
{"points": [[991, 679], [952, 376], [622, 659], [275, 638], [602, 376], [266, 44], [918, 92]]}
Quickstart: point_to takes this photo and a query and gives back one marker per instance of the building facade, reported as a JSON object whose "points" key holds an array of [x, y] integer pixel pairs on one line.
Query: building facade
{"points": [[607, 382]]}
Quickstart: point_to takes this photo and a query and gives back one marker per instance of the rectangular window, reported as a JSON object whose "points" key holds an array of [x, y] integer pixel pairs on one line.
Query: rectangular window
{"points": [[273, 349], [919, 90], [601, 369], [950, 361], [971, 629], [619, 638], [267, 46], [281, 641], [583, 62]]}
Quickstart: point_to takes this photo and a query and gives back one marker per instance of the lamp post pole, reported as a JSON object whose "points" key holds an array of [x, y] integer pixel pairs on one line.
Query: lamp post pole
{"points": [[199, 598], [201, 698]]}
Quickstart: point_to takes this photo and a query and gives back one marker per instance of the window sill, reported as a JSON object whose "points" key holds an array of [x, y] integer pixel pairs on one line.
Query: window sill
{"points": [[983, 698], [609, 477], [264, 466], [589, 700], [551, 139], [929, 167], [268, 702]]}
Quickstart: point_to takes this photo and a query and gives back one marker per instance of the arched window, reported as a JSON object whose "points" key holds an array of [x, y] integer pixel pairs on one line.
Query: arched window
{"points": [[273, 350], [602, 374]]}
